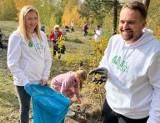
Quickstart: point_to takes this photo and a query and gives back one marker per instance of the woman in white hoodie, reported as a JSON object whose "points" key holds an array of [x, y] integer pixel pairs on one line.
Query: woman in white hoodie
{"points": [[132, 60], [28, 57]]}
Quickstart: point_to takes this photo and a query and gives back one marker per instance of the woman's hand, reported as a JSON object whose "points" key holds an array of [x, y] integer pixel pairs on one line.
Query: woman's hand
{"points": [[43, 82]]}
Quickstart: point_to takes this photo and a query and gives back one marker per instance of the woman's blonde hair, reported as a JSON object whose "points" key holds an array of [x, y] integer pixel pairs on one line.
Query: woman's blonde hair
{"points": [[22, 26], [81, 74]]}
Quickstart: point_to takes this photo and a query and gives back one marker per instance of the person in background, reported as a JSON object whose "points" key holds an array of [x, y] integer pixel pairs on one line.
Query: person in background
{"points": [[43, 28], [98, 33], [131, 62], [66, 29], [72, 26], [1, 45], [85, 29], [55, 37], [28, 57], [69, 84]]}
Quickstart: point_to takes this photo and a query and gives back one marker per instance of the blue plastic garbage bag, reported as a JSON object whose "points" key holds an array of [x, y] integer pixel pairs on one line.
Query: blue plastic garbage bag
{"points": [[49, 106]]}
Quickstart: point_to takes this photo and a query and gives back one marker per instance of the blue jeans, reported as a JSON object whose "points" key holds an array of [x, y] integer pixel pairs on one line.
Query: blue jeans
{"points": [[24, 103]]}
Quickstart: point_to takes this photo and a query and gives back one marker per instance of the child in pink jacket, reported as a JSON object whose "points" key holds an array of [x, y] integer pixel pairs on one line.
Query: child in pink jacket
{"points": [[69, 84]]}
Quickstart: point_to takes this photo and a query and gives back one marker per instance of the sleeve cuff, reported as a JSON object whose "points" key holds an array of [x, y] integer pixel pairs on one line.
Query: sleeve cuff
{"points": [[25, 82]]}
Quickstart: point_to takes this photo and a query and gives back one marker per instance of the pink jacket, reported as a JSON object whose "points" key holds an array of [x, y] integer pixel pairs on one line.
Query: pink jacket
{"points": [[66, 81]]}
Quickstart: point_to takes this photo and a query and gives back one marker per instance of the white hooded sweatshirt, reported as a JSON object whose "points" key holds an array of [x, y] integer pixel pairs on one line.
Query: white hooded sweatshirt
{"points": [[133, 85], [97, 35], [29, 62]]}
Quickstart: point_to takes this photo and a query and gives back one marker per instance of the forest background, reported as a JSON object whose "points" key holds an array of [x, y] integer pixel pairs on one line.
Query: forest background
{"points": [[79, 49], [62, 12]]}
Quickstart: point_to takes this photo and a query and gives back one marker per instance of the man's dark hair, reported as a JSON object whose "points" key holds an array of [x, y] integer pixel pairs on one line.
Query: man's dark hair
{"points": [[135, 5]]}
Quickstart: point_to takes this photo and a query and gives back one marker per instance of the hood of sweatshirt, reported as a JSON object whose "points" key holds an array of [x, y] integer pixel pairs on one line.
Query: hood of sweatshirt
{"points": [[145, 38]]}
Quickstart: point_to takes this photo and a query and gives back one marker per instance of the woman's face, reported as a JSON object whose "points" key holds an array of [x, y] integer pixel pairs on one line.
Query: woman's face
{"points": [[31, 21], [56, 29]]}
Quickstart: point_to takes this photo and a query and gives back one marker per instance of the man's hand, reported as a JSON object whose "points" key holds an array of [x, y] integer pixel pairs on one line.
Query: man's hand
{"points": [[100, 75]]}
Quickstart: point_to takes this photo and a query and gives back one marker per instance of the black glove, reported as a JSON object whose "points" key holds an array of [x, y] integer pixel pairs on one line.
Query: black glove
{"points": [[100, 75]]}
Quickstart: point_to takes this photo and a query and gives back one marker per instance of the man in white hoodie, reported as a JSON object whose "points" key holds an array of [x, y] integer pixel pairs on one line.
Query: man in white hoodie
{"points": [[132, 60]]}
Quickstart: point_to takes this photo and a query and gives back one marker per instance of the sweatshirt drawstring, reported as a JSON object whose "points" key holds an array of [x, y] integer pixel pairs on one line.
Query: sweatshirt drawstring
{"points": [[125, 54]]}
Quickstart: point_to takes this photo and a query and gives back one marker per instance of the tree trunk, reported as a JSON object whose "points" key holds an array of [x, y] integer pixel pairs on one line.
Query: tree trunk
{"points": [[146, 3], [115, 17]]}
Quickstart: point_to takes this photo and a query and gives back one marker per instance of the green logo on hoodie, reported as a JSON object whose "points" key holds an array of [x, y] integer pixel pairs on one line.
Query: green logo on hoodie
{"points": [[30, 44], [121, 65], [37, 45]]}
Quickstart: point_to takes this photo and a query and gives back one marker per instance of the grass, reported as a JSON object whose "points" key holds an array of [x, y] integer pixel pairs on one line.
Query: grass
{"points": [[8, 98], [78, 50], [8, 26]]}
